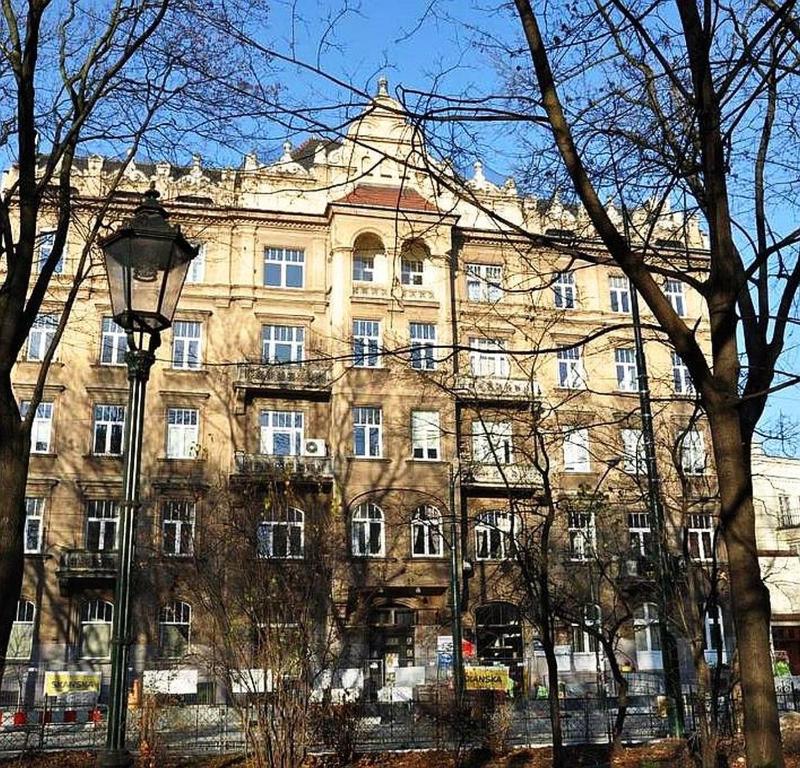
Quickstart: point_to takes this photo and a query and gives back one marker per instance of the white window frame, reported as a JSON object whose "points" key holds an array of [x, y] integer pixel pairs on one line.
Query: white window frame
{"points": [[693, 453], [177, 517], [282, 343], [682, 383], [367, 343], [34, 525], [576, 450], [640, 534], [700, 535], [20, 642], [710, 622], [493, 442], [42, 427], [412, 271], [627, 371], [673, 290], [363, 268], [619, 294], [289, 262], [368, 527], [564, 290], [634, 459], [197, 266], [484, 282], [96, 613], [426, 529], [495, 532], [571, 374], [584, 642], [176, 615], [183, 433], [368, 426], [187, 345], [113, 343], [281, 425], [647, 636], [108, 429], [488, 358], [425, 436], [289, 524], [423, 346], [582, 533], [41, 336], [44, 247], [102, 524]]}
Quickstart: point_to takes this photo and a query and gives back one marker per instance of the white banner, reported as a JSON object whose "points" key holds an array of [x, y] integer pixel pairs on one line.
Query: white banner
{"points": [[174, 681]]}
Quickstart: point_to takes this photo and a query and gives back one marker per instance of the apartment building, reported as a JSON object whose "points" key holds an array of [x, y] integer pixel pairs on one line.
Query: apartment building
{"points": [[376, 347]]}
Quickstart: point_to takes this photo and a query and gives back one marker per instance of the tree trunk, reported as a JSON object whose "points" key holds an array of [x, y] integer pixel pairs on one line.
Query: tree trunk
{"points": [[622, 694], [751, 604], [14, 457], [552, 696]]}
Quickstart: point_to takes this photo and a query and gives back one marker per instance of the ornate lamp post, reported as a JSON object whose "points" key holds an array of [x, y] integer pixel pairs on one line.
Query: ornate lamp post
{"points": [[146, 262]]}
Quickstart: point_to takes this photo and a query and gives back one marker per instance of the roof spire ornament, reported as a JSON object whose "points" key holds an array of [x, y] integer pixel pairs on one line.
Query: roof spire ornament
{"points": [[286, 157], [383, 86], [479, 178]]}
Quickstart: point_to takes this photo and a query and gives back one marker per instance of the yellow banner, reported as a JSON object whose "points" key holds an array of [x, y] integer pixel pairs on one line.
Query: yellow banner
{"points": [[486, 678], [59, 683]]}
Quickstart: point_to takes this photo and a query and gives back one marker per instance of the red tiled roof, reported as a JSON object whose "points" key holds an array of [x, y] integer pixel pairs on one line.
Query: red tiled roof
{"points": [[401, 198]]}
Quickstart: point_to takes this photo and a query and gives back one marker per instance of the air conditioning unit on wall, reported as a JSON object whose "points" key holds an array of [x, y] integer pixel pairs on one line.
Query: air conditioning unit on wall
{"points": [[314, 447]]}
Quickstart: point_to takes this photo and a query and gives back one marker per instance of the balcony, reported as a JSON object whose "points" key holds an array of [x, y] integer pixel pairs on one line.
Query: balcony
{"points": [[312, 378], [503, 476], [496, 389], [84, 567], [299, 468], [789, 518]]}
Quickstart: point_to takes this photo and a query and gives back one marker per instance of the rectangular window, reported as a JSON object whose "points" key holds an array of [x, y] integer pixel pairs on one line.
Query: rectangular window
{"points": [[102, 523], [700, 536], [425, 435], [640, 534], [367, 432], [570, 368], [41, 336], [113, 343], [46, 241], [673, 290], [576, 450], [177, 527], [411, 271], [693, 453], [488, 358], [197, 266], [42, 427], [186, 339], [682, 382], [284, 267], [20, 642], [627, 373], [564, 290], [423, 346], [366, 343], [282, 343], [484, 282], [787, 517], [33, 525], [183, 432], [581, 535], [363, 268], [109, 426], [633, 453], [492, 442], [495, 535], [619, 294], [281, 433]]}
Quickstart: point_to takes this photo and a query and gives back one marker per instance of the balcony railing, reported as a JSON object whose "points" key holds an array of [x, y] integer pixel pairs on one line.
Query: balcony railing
{"points": [[511, 475], [311, 376], [496, 388], [304, 467], [789, 518], [85, 565]]}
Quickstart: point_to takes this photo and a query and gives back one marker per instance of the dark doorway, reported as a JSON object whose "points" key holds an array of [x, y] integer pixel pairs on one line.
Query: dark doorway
{"points": [[498, 632]]}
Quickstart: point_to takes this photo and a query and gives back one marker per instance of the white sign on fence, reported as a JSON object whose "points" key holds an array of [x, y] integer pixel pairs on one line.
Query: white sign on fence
{"points": [[251, 680], [174, 681], [409, 676]]}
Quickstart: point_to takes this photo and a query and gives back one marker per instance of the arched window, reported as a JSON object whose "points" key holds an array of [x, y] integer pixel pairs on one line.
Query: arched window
{"points": [[495, 530], [281, 534], [174, 629], [20, 644], [367, 531], [498, 633], [96, 618], [412, 263], [647, 636], [426, 532], [367, 249]]}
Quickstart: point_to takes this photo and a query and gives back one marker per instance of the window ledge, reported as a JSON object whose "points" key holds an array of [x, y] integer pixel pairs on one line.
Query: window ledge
{"points": [[109, 366], [44, 454], [201, 369], [412, 460], [102, 457], [368, 458], [179, 460]]}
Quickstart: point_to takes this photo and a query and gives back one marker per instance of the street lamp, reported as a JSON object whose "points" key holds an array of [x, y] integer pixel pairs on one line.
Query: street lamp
{"points": [[146, 262]]}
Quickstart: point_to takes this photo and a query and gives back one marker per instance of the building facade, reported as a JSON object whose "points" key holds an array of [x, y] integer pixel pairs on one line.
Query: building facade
{"points": [[373, 351]]}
